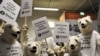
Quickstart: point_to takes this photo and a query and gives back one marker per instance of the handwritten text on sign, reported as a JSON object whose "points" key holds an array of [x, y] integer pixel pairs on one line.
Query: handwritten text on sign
{"points": [[41, 28], [61, 31], [9, 10], [26, 8]]}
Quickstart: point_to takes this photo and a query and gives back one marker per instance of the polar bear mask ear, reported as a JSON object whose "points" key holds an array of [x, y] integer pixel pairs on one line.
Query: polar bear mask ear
{"points": [[78, 39], [88, 19], [79, 20]]}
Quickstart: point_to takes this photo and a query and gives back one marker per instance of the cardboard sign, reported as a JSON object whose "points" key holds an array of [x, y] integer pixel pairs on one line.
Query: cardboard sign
{"points": [[9, 10], [26, 8], [41, 28], [61, 31]]}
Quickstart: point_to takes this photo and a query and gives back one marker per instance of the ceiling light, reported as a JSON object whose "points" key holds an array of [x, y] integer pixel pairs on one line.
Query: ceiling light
{"points": [[46, 9]]}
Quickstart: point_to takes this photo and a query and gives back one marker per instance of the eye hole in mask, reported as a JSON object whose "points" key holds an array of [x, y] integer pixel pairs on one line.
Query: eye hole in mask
{"points": [[28, 44], [76, 40], [10, 26]]}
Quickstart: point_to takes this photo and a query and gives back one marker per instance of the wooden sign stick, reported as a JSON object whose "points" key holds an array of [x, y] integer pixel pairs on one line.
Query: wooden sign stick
{"points": [[25, 22], [3, 23], [46, 43], [24, 33], [1, 27]]}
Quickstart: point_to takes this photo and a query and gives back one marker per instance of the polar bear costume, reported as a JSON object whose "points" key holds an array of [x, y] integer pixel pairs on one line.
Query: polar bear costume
{"points": [[9, 46], [59, 50], [74, 45], [50, 52], [90, 39], [32, 48], [56, 49]]}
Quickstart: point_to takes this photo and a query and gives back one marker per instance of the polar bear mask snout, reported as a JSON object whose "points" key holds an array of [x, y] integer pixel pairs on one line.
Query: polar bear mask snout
{"points": [[85, 25], [12, 29], [74, 43], [33, 47], [84, 22]]}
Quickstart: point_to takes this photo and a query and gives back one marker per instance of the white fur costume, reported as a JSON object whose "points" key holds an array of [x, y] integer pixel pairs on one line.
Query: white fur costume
{"points": [[32, 48], [9, 46], [90, 38], [59, 51], [89, 43], [75, 46], [50, 52], [52, 47]]}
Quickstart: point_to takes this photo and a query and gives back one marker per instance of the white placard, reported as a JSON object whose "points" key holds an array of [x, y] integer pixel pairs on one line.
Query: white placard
{"points": [[9, 10], [41, 28], [26, 8], [61, 31]]}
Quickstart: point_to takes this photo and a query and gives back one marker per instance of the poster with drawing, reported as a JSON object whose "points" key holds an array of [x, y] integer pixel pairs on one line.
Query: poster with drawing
{"points": [[74, 29]]}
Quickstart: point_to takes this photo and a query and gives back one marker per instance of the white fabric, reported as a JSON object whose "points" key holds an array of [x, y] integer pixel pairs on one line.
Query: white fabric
{"points": [[10, 50], [88, 46]]}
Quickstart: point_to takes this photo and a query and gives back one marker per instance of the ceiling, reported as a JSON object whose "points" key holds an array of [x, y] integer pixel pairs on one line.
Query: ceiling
{"points": [[68, 5]]}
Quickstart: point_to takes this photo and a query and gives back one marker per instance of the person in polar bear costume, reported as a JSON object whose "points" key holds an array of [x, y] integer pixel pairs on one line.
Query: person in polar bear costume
{"points": [[55, 48], [90, 38], [9, 46], [50, 52], [48, 46], [74, 45], [32, 48], [59, 50]]}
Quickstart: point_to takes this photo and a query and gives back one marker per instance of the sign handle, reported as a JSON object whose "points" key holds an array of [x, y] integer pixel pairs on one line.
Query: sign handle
{"points": [[24, 31], [3, 23], [1, 27], [25, 21], [24, 35], [46, 43]]}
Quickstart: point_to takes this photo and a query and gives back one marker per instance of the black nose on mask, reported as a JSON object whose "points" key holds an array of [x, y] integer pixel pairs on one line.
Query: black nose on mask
{"points": [[72, 46], [34, 47], [18, 32], [82, 24]]}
